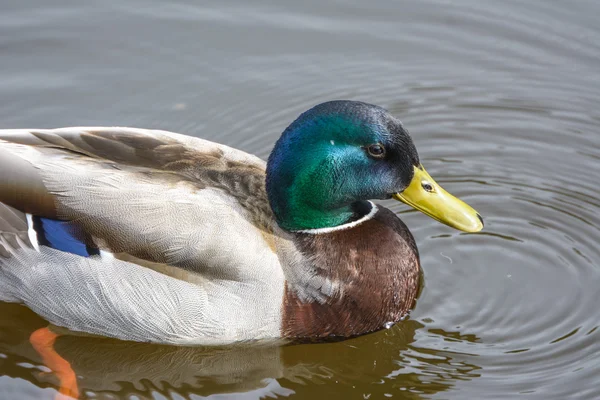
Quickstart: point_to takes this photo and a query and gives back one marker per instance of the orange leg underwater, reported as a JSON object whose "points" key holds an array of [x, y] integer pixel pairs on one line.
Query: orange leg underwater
{"points": [[42, 341]]}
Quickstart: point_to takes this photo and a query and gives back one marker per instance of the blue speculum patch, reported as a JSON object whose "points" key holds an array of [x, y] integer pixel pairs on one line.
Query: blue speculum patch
{"points": [[62, 235]]}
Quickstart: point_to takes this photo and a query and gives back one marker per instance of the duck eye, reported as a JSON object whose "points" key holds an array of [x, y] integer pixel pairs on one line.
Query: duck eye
{"points": [[376, 150], [427, 186]]}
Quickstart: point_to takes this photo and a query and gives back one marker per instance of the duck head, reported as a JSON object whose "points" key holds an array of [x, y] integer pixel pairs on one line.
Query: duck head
{"points": [[337, 155]]}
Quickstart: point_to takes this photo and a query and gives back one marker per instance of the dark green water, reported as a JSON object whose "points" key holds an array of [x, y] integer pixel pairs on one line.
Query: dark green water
{"points": [[502, 100]]}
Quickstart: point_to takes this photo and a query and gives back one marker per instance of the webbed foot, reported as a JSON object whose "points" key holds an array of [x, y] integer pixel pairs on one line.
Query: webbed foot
{"points": [[43, 341]]}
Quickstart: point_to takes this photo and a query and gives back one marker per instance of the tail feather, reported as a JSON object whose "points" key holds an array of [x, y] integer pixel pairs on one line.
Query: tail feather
{"points": [[10, 242], [13, 231]]}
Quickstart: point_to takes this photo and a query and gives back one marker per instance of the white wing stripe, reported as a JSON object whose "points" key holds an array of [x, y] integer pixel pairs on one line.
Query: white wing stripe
{"points": [[31, 233]]}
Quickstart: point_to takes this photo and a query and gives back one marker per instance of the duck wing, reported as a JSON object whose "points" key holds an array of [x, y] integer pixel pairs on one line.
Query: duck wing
{"points": [[153, 195], [147, 226]]}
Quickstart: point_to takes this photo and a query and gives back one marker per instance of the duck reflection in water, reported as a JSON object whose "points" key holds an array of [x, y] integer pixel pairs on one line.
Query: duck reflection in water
{"points": [[108, 368]]}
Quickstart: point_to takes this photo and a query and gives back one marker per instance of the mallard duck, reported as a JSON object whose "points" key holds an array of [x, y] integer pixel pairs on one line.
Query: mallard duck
{"points": [[153, 236]]}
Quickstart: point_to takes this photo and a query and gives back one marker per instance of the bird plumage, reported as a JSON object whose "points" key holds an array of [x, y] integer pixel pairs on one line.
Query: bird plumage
{"points": [[155, 204], [150, 235]]}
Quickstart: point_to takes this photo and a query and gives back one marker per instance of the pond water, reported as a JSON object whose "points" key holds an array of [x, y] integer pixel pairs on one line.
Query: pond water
{"points": [[502, 100]]}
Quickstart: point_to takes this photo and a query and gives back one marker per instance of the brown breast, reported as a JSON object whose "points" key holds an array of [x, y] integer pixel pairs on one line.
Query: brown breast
{"points": [[374, 269]]}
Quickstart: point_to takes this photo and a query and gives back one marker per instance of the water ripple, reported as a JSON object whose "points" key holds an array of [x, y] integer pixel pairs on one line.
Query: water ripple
{"points": [[501, 100]]}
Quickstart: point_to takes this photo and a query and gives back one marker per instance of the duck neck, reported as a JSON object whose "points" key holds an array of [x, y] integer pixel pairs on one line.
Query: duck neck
{"points": [[299, 216]]}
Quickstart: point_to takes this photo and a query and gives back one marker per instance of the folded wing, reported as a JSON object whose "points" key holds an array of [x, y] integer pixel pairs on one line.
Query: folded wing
{"points": [[154, 196]]}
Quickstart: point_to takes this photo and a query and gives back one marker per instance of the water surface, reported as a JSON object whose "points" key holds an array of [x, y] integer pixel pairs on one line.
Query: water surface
{"points": [[502, 101]]}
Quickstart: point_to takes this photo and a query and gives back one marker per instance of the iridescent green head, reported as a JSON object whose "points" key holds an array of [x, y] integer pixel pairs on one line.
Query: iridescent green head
{"points": [[339, 154], [335, 155]]}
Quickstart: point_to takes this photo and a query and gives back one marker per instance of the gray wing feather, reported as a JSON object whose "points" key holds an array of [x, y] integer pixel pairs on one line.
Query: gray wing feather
{"points": [[13, 231], [193, 212], [140, 147], [144, 193]]}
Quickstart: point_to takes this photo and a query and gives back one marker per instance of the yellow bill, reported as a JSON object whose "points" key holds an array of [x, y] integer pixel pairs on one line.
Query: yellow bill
{"points": [[425, 195]]}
